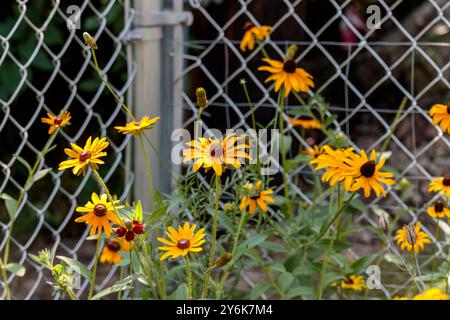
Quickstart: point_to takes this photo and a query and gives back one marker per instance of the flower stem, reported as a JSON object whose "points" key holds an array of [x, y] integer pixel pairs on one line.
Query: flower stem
{"points": [[94, 271], [394, 125], [149, 172], [213, 241], [283, 151], [109, 87], [433, 264], [71, 294], [189, 277]]}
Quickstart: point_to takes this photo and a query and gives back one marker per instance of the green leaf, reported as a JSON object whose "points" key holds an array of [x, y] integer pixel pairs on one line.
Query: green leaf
{"points": [[361, 264], [24, 162], [11, 205], [299, 291], [181, 293], [259, 289], [121, 285], [159, 199], [285, 280], [331, 277], [15, 268], [41, 174], [250, 243], [225, 221], [138, 212], [287, 144], [84, 271], [278, 267], [157, 213]]}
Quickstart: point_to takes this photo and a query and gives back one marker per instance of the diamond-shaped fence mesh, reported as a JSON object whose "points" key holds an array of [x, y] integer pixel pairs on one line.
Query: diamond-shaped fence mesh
{"points": [[44, 67], [363, 78]]}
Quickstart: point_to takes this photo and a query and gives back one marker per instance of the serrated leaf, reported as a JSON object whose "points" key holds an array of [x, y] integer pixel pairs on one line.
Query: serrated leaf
{"points": [[259, 289], [15, 268], [84, 271], [41, 174], [11, 205]]}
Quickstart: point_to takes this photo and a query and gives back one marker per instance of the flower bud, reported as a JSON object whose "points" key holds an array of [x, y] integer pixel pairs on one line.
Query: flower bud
{"points": [[89, 40], [229, 208], [129, 236], [411, 235], [383, 222], [138, 228], [202, 100], [121, 232], [291, 51], [223, 260]]}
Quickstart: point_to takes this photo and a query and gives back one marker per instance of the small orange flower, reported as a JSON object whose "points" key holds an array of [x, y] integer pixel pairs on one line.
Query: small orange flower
{"points": [[56, 122], [305, 122], [441, 116], [255, 197]]}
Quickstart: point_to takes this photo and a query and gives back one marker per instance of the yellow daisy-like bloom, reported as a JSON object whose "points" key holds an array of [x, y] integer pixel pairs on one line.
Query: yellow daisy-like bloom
{"points": [[182, 241], [253, 33], [288, 75], [136, 127], [432, 294], [411, 238], [441, 185], [441, 116], [314, 152], [111, 251], [305, 122], [337, 170], [212, 153], [84, 157], [98, 214], [56, 122], [368, 175], [438, 210], [256, 197], [353, 282]]}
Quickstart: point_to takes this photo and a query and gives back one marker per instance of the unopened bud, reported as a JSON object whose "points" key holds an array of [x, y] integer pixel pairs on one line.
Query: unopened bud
{"points": [[223, 260], [229, 208], [411, 235], [291, 51], [404, 184], [383, 222], [89, 40], [202, 101]]}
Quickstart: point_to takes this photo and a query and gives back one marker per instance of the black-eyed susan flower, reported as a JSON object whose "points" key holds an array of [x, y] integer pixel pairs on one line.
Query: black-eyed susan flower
{"points": [[182, 242], [441, 185], [98, 214], [255, 197], [253, 33], [314, 152], [432, 294], [336, 167], [353, 282], [112, 249], [411, 238], [129, 230], [55, 122], [305, 122], [288, 75], [84, 157], [215, 154], [135, 128], [368, 175], [438, 210], [441, 116]]}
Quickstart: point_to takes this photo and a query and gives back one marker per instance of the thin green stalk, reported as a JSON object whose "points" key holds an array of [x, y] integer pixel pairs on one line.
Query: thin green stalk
{"points": [[249, 101], [5, 280], [283, 151], [94, 271], [149, 172], [233, 253], [121, 273], [189, 277], [213, 241], [433, 264], [71, 294], [263, 51], [147, 273], [394, 125], [109, 87]]}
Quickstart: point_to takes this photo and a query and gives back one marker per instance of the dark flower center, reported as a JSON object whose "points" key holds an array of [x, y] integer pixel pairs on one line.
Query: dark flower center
{"points": [[58, 120], [256, 196], [85, 155], [349, 281], [446, 181], [289, 66], [305, 118], [216, 150], [100, 210], [448, 108], [248, 25], [183, 244], [113, 246], [368, 169], [439, 206]]}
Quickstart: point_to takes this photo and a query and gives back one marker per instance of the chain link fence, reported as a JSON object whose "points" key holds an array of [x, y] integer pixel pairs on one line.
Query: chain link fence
{"points": [[44, 67], [364, 76]]}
